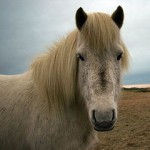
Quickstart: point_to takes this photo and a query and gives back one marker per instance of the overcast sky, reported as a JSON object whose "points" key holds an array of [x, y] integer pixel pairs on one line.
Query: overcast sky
{"points": [[29, 27]]}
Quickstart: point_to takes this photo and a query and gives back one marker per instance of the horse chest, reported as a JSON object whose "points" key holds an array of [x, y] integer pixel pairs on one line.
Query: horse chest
{"points": [[69, 134], [72, 137]]}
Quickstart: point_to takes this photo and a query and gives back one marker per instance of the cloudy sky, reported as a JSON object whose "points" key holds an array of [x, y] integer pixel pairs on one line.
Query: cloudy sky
{"points": [[29, 27]]}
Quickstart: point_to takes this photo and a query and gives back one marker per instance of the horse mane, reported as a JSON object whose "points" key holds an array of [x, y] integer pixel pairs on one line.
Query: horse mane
{"points": [[55, 72]]}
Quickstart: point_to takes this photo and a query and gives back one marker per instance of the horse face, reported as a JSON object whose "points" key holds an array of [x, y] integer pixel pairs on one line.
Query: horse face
{"points": [[99, 79], [99, 84]]}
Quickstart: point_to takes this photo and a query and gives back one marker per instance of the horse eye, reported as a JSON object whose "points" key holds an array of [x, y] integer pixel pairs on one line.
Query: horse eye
{"points": [[119, 56], [80, 57]]}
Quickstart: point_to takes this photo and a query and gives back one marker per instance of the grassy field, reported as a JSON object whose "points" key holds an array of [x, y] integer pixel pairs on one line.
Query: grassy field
{"points": [[132, 131]]}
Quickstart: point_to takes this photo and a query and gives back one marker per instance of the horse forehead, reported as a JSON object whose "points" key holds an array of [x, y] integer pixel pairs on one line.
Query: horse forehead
{"points": [[101, 65], [101, 56]]}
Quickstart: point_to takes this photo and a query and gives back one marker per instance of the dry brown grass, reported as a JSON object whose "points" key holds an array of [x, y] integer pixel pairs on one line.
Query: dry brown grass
{"points": [[132, 131]]}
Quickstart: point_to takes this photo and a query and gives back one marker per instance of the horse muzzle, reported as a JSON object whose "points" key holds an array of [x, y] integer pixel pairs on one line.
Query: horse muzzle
{"points": [[103, 121]]}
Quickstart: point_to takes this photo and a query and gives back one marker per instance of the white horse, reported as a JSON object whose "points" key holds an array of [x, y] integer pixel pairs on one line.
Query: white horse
{"points": [[67, 92]]}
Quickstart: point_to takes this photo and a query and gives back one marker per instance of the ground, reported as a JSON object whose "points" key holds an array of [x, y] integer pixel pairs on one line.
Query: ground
{"points": [[132, 130]]}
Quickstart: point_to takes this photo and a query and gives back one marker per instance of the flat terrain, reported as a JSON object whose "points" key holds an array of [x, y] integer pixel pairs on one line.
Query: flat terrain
{"points": [[132, 131]]}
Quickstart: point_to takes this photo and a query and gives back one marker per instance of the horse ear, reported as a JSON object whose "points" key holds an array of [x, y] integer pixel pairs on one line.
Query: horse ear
{"points": [[118, 16], [81, 17]]}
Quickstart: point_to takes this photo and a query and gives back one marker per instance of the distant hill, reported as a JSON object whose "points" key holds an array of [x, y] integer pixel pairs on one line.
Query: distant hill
{"points": [[137, 88]]}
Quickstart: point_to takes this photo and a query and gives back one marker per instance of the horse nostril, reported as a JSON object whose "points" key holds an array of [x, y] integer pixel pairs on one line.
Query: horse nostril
{"points": [[93, 116], [113, 115]]}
